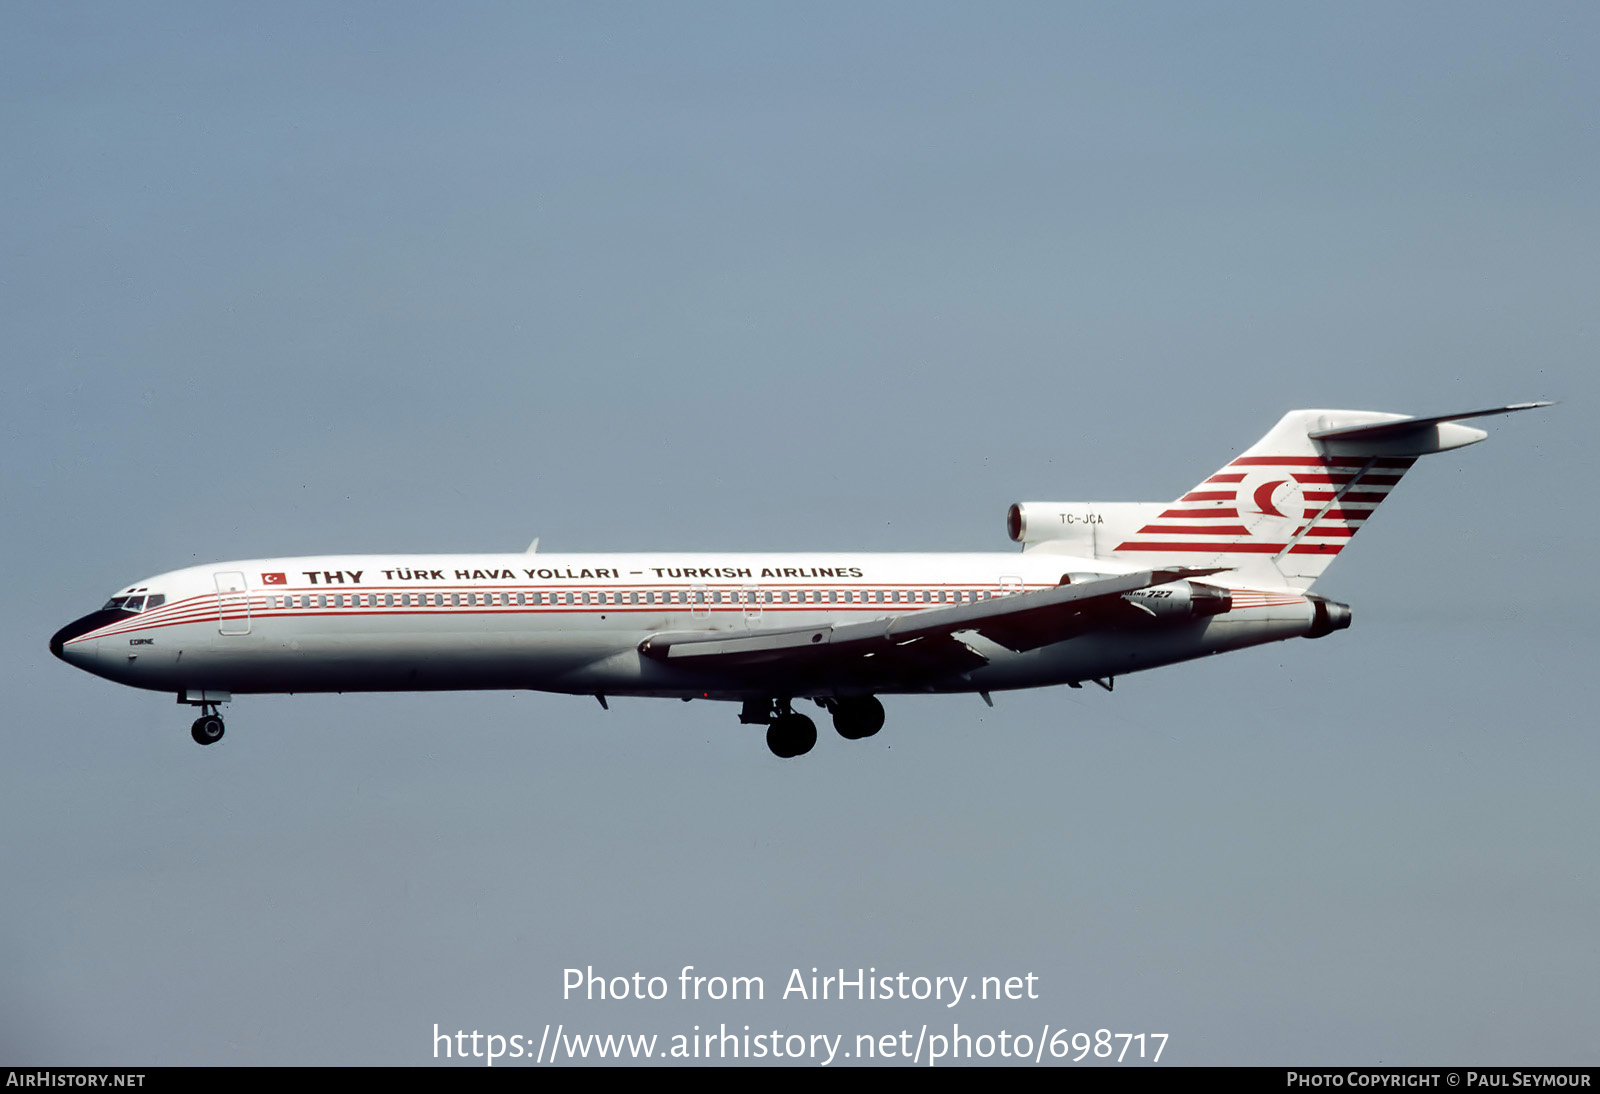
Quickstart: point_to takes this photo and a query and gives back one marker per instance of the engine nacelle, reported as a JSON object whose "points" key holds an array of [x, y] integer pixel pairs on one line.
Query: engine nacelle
{"points": [[1181, 600], [1088, 529], [1327, 616]]}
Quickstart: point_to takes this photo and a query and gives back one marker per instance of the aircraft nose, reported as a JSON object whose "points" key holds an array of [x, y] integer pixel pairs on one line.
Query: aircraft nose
{"points": [[91, 622]]}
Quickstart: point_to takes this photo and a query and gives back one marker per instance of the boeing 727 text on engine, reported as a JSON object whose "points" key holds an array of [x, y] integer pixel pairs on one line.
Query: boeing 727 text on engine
{"points": [[1098, 590]]}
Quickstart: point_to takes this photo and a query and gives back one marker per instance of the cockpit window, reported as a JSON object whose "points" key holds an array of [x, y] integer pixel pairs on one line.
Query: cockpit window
{"points": [[134, 603]]}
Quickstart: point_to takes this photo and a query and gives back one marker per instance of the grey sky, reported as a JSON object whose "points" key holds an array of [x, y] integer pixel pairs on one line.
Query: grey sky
{"points": [[318, 278]]}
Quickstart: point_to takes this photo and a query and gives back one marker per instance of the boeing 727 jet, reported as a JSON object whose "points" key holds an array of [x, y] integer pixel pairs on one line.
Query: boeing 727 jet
{"points": [[1098, 590]]}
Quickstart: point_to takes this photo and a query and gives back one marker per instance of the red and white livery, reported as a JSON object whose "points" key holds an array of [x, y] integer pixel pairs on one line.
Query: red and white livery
{"points": [[1099, 590]]}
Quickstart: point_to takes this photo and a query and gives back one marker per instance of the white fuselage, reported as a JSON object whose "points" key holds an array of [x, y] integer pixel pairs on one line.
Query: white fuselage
{"points": [[574, 623]]}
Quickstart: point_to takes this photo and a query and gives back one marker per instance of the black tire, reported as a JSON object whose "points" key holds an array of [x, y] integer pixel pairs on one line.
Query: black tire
{"points": [[857, 718], [791, 735], [207, 729]]}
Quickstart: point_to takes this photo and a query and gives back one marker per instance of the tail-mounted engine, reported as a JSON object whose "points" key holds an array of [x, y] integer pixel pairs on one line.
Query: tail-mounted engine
{"points": [[1180, 600], [1327, 616], [1087, 529]]}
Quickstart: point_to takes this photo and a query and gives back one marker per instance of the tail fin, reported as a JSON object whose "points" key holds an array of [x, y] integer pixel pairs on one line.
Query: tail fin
{"points": [[1283, 510]]}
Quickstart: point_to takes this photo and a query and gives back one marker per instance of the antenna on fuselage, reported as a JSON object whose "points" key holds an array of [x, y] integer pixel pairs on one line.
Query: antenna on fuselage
{"points": [[533, 547]]}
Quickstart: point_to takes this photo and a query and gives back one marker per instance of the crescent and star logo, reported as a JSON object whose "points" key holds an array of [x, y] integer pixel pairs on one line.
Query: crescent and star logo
{"points": [[1276, 496], [1263, 497]]}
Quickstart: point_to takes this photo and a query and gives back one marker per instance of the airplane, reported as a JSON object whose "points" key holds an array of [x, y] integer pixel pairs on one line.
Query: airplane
{"points": [[1098, 590]]}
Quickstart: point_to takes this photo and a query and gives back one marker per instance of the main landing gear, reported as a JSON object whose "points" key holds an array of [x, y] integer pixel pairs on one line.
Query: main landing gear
{"points": [[207, 729], [790, 734], [856, 718]]}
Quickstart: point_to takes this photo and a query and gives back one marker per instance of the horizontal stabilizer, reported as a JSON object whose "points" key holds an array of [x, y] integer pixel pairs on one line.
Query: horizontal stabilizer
{"points": [[1402, 426]]}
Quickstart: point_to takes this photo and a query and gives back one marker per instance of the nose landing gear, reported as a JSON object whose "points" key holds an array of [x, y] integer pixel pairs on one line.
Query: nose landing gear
{"points": [[207, 729]]}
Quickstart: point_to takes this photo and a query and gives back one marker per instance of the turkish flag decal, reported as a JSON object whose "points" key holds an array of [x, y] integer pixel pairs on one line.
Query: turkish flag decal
{"points": [[274, 579]]}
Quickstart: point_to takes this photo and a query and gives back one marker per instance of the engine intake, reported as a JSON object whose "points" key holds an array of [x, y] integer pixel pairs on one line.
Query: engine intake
{"points": [[1181, 600]]}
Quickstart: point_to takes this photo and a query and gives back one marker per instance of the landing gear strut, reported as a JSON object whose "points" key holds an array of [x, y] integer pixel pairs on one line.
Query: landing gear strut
{"points": [[207, 729]]}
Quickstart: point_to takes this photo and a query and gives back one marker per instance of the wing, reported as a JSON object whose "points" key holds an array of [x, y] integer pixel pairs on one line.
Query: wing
{"points": [[916, 644]]}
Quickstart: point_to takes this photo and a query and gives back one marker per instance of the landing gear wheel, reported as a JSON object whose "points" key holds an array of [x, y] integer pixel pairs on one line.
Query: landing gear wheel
{"points": [[858, 717], [207, 729], [791, 735]]}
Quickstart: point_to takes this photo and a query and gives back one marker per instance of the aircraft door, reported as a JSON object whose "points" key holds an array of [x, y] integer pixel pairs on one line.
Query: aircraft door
{"points": [[233, 603], [750, 596]]}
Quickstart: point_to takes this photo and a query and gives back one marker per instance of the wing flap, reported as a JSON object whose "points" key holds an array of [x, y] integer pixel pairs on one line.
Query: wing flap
{"points": [[923, 639]]}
